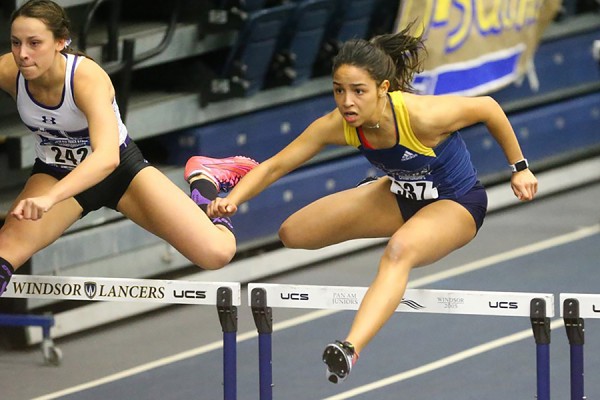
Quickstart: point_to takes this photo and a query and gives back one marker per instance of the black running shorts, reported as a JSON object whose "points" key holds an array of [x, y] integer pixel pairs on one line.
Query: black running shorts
{"points": [[475, 201], [108, 192]]}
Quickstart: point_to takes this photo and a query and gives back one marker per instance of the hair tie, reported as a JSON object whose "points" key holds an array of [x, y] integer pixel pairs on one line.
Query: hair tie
{"points": [[68, 42]]}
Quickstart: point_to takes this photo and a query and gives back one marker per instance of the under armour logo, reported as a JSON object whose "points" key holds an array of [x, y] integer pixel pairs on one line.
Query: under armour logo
{"points": [[48, 120]]}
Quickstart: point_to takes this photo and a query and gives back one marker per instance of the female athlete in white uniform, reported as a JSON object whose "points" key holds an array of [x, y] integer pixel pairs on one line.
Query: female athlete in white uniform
{"points": [[86, 160]]}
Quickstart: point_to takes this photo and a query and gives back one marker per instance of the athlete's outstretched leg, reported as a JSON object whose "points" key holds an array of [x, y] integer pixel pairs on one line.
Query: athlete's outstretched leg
{"points": [[431, 234], [159, 206], [21, 239]]}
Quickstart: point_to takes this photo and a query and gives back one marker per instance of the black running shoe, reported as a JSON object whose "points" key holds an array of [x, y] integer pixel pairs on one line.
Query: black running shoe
{"points": [[339, 357]]}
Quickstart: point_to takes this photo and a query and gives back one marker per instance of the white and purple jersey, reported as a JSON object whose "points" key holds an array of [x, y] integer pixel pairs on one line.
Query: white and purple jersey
{"points": [[61, 131]]}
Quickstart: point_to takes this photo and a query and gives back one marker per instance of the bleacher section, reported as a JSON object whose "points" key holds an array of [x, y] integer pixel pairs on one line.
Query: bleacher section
{"points": [[299, 43], [189, 88]]}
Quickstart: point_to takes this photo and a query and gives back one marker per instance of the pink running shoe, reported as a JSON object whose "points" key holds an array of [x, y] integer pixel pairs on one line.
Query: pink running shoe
{"points": [[224, 172]]}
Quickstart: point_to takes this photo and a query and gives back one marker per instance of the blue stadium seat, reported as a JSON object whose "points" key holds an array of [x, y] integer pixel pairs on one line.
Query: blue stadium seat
{"points": [[244, 70], [568, 9], [249, 5], [300, 42], [384, 16], [227, 15], [351, 20]]}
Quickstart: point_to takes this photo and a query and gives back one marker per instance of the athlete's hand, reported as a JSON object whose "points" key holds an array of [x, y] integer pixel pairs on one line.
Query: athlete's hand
{"points": [[524, 185], [32, 208], [221, 207]]}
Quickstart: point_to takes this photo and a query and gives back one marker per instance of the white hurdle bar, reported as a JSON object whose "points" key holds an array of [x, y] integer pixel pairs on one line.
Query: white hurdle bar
{"points": [[119, 289], [539, 307], [225, 295], [515, 304], [574, 309]]}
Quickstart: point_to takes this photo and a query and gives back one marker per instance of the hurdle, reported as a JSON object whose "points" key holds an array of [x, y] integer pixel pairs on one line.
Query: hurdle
{"points": [[538, 307], [575, 308], [226, 296]]}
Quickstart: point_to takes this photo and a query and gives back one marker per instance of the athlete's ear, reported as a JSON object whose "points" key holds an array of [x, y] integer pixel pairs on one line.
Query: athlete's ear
{"points": [[61, 44], [383, 87]]}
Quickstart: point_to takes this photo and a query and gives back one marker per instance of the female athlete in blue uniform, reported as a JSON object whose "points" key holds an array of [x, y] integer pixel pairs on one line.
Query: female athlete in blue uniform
{"points": [[85, 158], [430, 202]]}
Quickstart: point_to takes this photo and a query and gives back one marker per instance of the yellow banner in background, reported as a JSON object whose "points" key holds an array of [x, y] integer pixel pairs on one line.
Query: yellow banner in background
{"points": [[476, 46]]}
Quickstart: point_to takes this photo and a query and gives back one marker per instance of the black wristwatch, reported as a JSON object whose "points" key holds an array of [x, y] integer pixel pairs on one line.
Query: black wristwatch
{"points": [[519, 165]]}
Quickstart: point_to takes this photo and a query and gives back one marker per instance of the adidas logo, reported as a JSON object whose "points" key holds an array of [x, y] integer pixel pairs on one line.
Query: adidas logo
{"points": [[408, 155]]}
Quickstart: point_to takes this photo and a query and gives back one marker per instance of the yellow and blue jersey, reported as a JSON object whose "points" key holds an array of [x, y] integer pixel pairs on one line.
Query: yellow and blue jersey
{"points": [[417, 171]]}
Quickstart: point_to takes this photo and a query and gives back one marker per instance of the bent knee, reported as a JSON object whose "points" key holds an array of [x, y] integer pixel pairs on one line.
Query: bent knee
{"points": [[215, 261], [288, 236], [293, 237], [216, 258]]}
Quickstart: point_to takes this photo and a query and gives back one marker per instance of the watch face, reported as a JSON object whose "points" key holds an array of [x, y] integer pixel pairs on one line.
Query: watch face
{"points": [[521, 165]]}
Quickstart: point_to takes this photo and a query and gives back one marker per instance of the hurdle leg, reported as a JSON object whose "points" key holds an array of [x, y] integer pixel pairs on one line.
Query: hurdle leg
{"points": [[263, 318], [52, 354], [228, 318], [541, 333], [574, 326]]}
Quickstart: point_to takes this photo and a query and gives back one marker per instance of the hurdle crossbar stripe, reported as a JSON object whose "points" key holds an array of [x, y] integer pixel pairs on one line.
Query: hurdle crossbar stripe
{"points": [[119, 289], [589, 304], [414, 300]]}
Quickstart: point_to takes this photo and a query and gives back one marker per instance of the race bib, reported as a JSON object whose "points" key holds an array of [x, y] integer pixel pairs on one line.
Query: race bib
{"points": [[415, 190], [65, 153]]}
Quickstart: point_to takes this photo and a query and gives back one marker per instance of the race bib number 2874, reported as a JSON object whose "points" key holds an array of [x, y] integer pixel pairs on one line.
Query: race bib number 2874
{"points": [[415, 190]]}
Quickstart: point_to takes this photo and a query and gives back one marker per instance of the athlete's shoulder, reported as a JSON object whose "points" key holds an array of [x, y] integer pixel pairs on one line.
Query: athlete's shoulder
{"points": [[341, 132], [332, 117], [328, 129], [88, 67], [91, 79]]}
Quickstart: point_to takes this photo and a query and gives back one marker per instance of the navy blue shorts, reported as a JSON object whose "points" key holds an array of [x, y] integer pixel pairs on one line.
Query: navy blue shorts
{"points": [[108, 192], [475, 201]]}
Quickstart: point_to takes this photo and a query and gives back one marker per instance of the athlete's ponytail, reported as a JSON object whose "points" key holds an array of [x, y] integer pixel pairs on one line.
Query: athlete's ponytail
{"points": [[405, 51], [394, 56]]}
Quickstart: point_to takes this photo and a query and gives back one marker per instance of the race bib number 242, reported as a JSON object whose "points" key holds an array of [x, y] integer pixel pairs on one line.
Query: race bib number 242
{"points": [[65, 156]]}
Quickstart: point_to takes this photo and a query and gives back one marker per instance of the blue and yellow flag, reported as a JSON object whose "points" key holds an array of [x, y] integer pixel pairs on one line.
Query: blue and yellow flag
{"points": [[476, 46]]}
